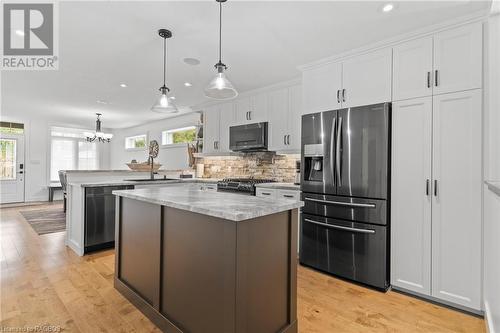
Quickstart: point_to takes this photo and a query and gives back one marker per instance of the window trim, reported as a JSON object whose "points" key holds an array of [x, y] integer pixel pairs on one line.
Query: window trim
{"points": [[177, 129], [146, 136]]}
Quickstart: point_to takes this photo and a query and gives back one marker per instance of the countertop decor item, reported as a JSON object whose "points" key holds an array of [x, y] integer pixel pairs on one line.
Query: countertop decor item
{"points": [[165, 104], [144, 166], [98, 135], [220, 87]]}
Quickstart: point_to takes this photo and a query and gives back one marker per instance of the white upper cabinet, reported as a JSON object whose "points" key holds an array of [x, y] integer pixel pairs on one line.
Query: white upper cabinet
{"points": [[321, 88], [210, 129], [241, 110], [367, 79], [412, 69], [458, 59], [295, 117], [411, 195], [278, 119], [251, 109], [456, 205], [226, 119]]}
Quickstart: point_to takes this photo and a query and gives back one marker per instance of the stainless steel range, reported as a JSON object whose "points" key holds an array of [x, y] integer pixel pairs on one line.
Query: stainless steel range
{"points": [[240, 185]]}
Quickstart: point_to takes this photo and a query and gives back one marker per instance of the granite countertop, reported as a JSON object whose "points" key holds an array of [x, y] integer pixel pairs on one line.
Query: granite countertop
{"points": [[279, 186], [493, 186], [230, 206], [124, 182]]}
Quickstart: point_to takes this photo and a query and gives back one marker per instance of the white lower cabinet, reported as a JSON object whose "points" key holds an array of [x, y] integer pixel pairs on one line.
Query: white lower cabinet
{"points": [[436, 197]]}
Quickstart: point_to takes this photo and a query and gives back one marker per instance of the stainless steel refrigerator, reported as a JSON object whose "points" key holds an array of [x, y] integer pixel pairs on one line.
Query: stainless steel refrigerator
{"points": [[345, 183]]}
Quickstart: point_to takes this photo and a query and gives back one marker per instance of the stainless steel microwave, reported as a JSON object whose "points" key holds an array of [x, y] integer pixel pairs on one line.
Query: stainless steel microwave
{"points": [[251, 137]]}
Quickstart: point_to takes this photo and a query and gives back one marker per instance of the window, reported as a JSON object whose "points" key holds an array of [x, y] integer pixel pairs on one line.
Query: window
{"points": [[134, 142], [11, 128], [70, 151], [178, 135], [7, 159]]}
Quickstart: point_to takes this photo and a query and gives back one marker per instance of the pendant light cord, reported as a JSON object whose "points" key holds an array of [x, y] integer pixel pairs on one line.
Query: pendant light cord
{"points": [[164, 60], [220, 32]]}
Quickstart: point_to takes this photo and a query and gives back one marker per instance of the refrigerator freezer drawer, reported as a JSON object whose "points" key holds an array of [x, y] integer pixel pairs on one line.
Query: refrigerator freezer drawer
{"points": [[351, 250], [346, 208]]}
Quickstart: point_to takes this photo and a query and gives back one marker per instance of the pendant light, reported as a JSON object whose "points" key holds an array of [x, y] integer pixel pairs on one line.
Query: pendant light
{"points": [[220, 87], [164, 104], [98, 135]]}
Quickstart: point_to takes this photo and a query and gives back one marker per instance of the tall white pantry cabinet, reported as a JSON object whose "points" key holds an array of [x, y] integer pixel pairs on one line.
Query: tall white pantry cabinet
{"points": [[436, 166]]}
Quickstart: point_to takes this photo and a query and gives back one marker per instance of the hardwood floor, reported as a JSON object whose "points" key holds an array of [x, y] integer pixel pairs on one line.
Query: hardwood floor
{"points": [[45, 283]]}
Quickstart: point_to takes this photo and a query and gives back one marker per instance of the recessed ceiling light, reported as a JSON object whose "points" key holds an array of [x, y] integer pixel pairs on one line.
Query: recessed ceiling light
{"points": [[172, 97], [123, 85], [387, 7], [19, 32], [187, 84], [191, 61], [101, 101]]}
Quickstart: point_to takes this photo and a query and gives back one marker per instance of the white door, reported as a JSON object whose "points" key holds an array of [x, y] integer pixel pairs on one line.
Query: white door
{"points": [[258, 108], [11, 168], [241, 110], [278, 119], [210, 129], [412, 69], [367, 79], [321, 87], [456, 206], [295, 117], [226, 119], [411, 195], [458, 59]]}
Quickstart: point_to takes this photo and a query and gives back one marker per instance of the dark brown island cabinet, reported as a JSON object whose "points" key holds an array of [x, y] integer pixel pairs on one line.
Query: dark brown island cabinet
{"points": [[191, 271]]}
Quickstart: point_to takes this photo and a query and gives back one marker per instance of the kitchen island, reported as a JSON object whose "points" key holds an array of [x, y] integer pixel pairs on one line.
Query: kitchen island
{"points": [[201, 261]]}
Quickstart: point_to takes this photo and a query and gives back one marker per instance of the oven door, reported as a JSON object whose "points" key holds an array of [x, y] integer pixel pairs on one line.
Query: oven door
{"points": [[355, 251]]}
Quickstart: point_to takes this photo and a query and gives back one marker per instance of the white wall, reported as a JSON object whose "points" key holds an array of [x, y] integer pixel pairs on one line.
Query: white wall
{"points": [[491, 264], [171, 158]]}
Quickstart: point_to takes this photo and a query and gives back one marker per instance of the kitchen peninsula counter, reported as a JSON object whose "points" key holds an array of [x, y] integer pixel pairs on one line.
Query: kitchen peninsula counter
{"points": [[194, 260]]}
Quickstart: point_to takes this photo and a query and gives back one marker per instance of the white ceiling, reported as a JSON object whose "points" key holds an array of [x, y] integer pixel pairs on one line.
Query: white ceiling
{"points": [[103, 44]]}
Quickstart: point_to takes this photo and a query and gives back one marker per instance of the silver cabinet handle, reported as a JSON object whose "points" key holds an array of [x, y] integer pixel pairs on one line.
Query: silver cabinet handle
{"points": [[338, 96], [428, 79], [214, 145], [288, 139], [288, 195], [265, 193], [284, 139], [363, 231], [343, 95], [340, 203], [427, 187], [436, 78], [249, 115], [435, 188], [338, 153]]}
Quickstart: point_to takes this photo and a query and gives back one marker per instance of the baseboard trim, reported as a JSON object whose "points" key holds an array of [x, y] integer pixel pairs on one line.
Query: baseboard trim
{"points": [[487, 319]]}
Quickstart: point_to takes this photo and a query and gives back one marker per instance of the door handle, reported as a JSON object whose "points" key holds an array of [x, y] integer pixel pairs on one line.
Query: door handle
{"points": [[427, 187], [343, 95], [435, 187], [363, 231], [338, 153], [340, 203], [428, 79], [338, 96], [436, 78]]}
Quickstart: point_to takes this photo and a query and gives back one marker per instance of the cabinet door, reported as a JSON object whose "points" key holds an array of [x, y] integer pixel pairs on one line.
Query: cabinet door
{"points": [[458, 59], [412, 69], [294, 118], [367, 79], [210, 129], [411, 195], [278, 119], [226, 119], [241, 109], [320, 87], [456, 204], [258, 108]]}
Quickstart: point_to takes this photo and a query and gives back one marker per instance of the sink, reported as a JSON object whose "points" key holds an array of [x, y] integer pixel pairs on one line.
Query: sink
{"points": [[151, 180]]}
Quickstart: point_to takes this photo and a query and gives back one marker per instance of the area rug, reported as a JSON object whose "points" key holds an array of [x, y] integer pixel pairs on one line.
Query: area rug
{"points": [[46, 221]]}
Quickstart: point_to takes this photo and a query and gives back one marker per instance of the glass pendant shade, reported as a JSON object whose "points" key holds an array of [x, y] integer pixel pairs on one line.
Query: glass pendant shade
{"points": [[164, 104], [220, 87]]}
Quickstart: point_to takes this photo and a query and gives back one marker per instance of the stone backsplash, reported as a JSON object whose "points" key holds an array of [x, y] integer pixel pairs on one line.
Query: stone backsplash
{"points": [[260, 165]]}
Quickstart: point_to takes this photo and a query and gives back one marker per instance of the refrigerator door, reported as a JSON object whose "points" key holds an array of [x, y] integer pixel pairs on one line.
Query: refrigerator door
{"points": [[312, 153], [351, 250], [362, 158]]}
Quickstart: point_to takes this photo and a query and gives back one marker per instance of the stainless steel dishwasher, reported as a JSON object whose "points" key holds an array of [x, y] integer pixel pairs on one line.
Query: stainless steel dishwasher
{"points": [[100, 217]]}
